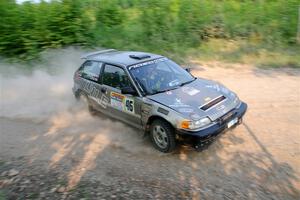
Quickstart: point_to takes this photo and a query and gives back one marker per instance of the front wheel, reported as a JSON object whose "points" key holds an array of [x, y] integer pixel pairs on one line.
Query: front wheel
{"points": [[162, 136]]}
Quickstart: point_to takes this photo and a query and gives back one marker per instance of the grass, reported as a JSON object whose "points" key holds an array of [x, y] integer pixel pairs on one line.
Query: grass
{"points": [[1, 163], [2, 166], [2, 195], [83, 191], [33, 195], [249, 52]]}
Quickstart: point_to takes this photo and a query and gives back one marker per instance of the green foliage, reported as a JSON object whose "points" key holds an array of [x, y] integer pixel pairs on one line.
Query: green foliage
{"points": [[151, 25], [3, 195], [247, 52]]}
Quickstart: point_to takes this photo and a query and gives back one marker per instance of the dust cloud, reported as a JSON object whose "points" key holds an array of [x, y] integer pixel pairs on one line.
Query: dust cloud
{"points": [[44, 95], [40, 103], [41, 92]]}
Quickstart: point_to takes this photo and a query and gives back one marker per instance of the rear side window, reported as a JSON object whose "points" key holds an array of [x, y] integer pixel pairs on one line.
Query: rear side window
{"points": [[91, 70], [115, 77]]}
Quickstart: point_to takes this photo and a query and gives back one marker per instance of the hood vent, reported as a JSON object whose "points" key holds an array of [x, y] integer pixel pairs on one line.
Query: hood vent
{"points": [[212, 103]]}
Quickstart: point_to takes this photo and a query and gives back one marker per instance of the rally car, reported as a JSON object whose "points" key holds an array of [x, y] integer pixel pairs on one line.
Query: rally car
{"points": [[153, 93]]}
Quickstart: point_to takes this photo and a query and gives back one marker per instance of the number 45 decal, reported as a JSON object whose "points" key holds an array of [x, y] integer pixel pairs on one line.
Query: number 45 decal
{"points": [[129, 105]]}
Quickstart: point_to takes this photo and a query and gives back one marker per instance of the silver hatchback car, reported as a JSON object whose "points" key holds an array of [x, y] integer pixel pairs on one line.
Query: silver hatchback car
{"points": [[153, 93]]}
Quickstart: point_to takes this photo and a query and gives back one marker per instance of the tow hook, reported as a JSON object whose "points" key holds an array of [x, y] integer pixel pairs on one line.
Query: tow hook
{"points": [[240, 121]]}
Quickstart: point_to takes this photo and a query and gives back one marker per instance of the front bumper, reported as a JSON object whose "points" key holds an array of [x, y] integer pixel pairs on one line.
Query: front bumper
{"points": [[218, 126]]}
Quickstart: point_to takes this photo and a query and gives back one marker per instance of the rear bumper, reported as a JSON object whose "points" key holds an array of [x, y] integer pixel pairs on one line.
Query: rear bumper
{"points": [[218, 127]]}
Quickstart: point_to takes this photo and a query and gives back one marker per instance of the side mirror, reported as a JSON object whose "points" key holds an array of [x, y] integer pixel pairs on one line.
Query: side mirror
{"points": [[188, 69], [128, 90]]}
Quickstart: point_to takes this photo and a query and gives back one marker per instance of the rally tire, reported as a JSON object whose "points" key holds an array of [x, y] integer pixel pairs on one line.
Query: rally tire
{"points": [[92, 110], [86, 100], [162, 136]]}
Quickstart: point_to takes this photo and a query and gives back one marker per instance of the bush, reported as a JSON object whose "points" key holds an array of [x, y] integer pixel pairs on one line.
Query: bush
{"points": [[150, 25]]}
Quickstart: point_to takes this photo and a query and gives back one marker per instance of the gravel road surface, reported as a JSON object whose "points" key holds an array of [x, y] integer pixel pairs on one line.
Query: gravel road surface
{"points": [[52, 148]]}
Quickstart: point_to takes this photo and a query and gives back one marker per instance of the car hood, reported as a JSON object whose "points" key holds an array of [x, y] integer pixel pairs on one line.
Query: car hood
{"points": [[189, 98]]}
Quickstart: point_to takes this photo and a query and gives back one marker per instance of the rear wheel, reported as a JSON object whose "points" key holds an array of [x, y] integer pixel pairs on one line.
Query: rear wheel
{"points": [[86, 101], [162, 136]]}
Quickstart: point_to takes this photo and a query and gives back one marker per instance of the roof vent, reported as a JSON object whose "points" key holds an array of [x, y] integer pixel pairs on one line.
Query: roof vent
{"points": [[140, 56]]}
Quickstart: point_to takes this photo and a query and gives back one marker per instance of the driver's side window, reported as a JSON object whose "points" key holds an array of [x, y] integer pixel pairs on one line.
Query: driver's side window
{"points": [[115, 77]]}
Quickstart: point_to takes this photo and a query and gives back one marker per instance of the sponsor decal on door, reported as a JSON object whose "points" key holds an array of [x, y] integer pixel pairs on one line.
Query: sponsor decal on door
{"points": [[121, 102]]}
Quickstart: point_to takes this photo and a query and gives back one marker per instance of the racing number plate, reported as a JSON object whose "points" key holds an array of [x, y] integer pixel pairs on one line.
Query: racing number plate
{"points": [[232, 122]]}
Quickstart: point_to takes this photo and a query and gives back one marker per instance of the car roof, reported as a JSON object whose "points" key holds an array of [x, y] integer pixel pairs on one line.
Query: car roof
{"points": [[124, 58]]}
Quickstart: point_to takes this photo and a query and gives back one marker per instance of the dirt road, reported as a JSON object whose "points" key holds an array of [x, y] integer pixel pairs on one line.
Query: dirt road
{"points": [[49, 149]]}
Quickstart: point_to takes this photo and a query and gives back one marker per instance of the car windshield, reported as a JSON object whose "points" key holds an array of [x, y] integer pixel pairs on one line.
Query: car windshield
{"points": [[160, 75]]}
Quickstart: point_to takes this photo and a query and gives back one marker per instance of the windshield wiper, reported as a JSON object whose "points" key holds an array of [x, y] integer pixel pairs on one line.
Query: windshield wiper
{"points": [[162, 91], [158, 91], [182, 84]]}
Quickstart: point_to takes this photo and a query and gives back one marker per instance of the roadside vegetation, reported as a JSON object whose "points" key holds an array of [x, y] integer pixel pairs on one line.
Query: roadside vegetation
{"points": [[259, 32]]}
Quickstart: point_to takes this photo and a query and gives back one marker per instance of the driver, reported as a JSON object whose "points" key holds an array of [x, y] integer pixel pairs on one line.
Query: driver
{"points": [[152, 79]]}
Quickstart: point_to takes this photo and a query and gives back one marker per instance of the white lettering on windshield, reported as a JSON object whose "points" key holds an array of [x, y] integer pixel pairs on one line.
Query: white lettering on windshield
{"points": [[147, 63]]}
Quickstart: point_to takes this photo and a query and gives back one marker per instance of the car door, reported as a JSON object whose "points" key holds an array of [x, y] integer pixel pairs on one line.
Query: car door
{"points": [[121, 106]]}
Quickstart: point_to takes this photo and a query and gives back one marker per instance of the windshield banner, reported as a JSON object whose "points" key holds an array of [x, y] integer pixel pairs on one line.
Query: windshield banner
{"points": [[147, 63]]}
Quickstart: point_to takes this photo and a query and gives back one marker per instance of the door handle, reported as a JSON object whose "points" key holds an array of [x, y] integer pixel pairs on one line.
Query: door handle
{"points": [[103, 90]]}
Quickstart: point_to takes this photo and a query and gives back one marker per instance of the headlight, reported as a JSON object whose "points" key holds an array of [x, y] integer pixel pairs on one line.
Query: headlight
{"points": [[236, 99], [187, 124]]}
